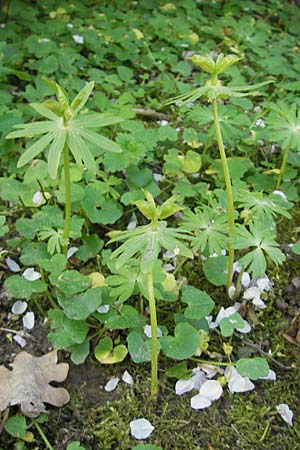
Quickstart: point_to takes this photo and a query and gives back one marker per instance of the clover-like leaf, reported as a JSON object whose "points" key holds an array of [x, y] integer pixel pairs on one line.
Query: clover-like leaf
{"points": [[28, 383], [254, 368], [183, 344], [199, 303], [231, 323], [106, 353]]}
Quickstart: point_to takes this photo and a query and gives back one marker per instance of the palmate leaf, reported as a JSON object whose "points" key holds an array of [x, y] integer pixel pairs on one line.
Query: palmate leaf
{"points": [[55, 152], [80, 150], [35, 149], [123, 282], [147, 243], [262, 205], [99, 140], [264, 242], [65, 128], [32, 129], [284, 123], [217, 91], [211, 229], [96, 120]]}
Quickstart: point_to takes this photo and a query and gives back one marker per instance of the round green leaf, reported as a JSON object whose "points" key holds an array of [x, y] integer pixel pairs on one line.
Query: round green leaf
{"points": [[16, 426], [183, 345], [200, 303], [253, 368], [214, 269]]}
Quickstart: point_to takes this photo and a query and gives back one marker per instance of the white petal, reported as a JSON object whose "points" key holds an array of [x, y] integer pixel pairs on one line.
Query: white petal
{"points": [[20, 340], [245, 279], [162, 123], [132, 223], [251, 293], [78, 39], [259, 303], [37, 198], [71, 251], [147, 331], [264, 284], [31, 275], [19, 307], [200, 402], [271, 376], [231, 292], [280, 193], [12, 265], [141, 428], [28, 320], [127, 378], [230, 372], [286, 413], [111, 384], [157, 176], [198, 379], [210, 370], [183, 386], [169, 267], [240, 384], [236, 267], [103, 309], [246, 328], [211, 389]]}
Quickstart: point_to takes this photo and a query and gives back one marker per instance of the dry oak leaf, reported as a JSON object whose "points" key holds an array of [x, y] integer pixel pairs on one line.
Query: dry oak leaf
{"points": [[28, 383]]}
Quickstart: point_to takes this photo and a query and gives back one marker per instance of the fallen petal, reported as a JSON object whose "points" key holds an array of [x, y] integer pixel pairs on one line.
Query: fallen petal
{"points": [[200, 402], [31, 275], [111, 384], [71, 251], [240, 384], [183, 386], [271, 376], [28, 320], [147, 331], [20, 340], [286, 413], [12, 265], [211, 389], [37, 198], [141, 428], [127, 378], [19, 307], [246, 328]]}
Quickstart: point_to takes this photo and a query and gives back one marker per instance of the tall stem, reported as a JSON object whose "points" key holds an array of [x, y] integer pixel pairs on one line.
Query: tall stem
{"points": [[68, 195], [43, 436], [282, 167], [228, 190], [153, 319]]}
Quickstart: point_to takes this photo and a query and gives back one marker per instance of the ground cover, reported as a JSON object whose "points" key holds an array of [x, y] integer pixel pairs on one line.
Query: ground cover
{"points": [[143, 117]]}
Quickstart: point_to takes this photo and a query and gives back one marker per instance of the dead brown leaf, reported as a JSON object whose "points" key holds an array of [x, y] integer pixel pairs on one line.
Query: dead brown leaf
{"points": [[28, 383]]}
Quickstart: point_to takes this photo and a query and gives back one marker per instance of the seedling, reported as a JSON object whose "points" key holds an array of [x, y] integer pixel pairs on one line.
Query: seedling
{"points": [[66, 131], [146, 242], [214, 91]]}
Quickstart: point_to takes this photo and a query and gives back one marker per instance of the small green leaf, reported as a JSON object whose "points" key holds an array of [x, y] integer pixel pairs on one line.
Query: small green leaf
{"points": [[16, 426], [81, 306], [254, 368], [79, 352], [215, 270], [231, 323], [75, 446], [107, 354], [139, 347], [200, 303], [82, 97], [72, 282], [179, 371], [67, 332], [184, 343]]}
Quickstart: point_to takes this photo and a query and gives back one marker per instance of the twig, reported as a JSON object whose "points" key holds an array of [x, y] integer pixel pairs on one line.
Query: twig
{"points": [[266, 354], [4, 419], [150, 113], [20, 333]]}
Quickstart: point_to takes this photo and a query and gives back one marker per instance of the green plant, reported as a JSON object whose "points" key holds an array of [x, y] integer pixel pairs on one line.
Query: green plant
{"points": [[147, 241], [214, 90], [284, 122], [66, 131]]}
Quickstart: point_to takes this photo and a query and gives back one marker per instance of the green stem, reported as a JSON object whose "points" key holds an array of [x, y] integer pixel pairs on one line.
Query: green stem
{"points": [[228, 191], [282, 167], [68, 195], [154, 353], [42, 434]]}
